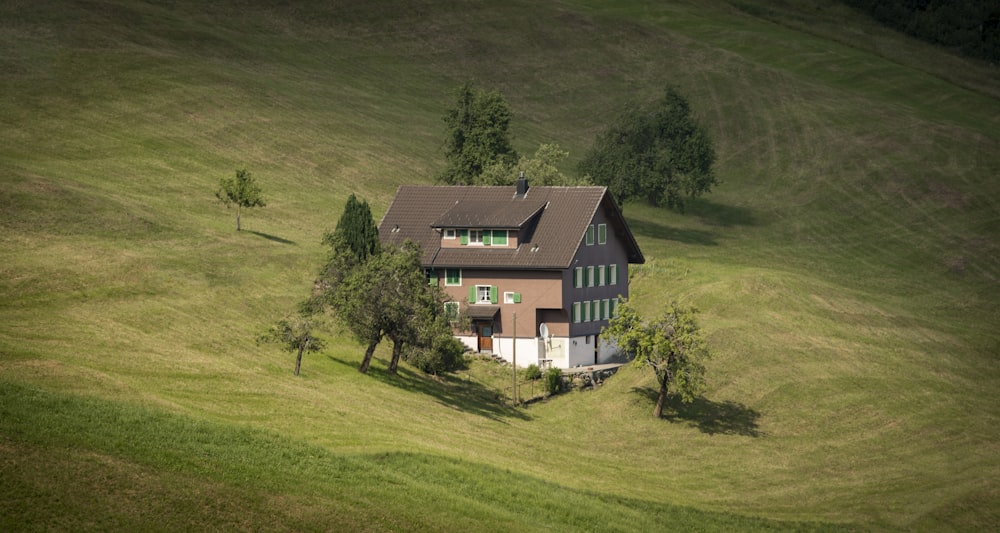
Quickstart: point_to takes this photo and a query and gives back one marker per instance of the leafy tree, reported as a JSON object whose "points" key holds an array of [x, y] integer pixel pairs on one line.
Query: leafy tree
{"points": [[542, 169], [294, 334], [657, 153], [243, 191], [356, 230], [672, 345], [477, 135]]}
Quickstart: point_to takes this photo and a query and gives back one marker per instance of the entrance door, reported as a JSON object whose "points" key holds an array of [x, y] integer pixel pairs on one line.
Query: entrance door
{"points": [[485, 336]]}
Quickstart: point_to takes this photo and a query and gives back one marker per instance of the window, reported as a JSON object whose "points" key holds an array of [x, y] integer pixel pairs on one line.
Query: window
{"points": [[586, 311], [596, 312], [432, 277], [576, 312], [578, 277], [590, 235], [499, 237], [602, 233], [476, 237], [483, 294], [451, 311], [613, 275], [614, 308], [511, 297], [590, 276], [607, 308], [452, 277], [449, 234], [601, 275]]}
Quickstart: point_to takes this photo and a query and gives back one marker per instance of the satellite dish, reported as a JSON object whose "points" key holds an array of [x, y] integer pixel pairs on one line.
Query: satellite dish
{"points": [[543, 330]]}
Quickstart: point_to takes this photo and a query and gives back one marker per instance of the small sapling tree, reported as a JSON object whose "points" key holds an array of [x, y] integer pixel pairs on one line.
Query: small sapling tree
{"points": [[241, 191], [294, 334], [672, 345]]}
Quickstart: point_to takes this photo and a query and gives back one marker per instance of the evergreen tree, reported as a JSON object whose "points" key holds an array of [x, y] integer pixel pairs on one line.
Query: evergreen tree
{"points": [[477, 135], [356, 230]]}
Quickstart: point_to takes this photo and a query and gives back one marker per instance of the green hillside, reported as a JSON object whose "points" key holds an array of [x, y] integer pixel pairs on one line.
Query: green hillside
{"points": [[847, 270]]}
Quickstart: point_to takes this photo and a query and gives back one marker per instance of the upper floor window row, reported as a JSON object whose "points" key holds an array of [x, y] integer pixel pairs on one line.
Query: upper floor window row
{"points": [[601, 234], [478, 237]]}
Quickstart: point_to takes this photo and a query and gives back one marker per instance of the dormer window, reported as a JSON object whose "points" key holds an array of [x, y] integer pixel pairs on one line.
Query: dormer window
{"points": [[475, 237], [480, 237], [449, 234]]}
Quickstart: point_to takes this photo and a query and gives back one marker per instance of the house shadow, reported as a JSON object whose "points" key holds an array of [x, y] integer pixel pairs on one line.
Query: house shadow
{"points": [[448, 389], [714, 418], [272, 237]]}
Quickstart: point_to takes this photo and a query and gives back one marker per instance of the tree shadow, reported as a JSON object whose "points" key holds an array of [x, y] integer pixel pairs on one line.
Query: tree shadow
{"points": [[448, 389], [725, 418], [660, 231], [271, 237], [726, 216]]}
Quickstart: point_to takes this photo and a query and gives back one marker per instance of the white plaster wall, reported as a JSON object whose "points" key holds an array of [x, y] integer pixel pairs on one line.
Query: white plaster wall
{"points": [[606, 351], [471, 342], [527, 350], [580, 351], [554, 349]]}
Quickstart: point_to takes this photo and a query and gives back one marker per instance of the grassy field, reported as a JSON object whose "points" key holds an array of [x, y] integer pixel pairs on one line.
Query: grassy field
{"points": [[846, 269]]}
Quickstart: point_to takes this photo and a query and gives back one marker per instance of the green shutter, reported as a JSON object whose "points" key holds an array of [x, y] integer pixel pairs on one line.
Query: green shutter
{"points": [[472, 294], [517, 297], [576, 277], [463, 236], [493, 294], [500, 237], [590, 235], [486, 237], [432, 277]]}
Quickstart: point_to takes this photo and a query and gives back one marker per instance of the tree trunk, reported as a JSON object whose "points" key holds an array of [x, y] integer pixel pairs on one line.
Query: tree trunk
{"points": [[237, 217], [661, 399], [367, 361], [397, 351], [298, 360]]}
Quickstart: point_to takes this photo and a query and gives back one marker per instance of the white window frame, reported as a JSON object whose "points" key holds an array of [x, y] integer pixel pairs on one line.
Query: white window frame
{"points": [[590, 276], [590, 238], [450, 234], [459, 284], [613, 274], [601, 277], [473, 233], [576, 313], [579, 278], [602, 228], [606, 311], [586, 311], [479, 294], [508, 297]]}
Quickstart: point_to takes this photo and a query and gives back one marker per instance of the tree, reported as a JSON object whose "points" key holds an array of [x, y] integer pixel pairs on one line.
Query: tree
{"points": [[477, 135], [242, 191], [541, 169], [356, 229], [672, 345], [294, 334], [657, 153]]}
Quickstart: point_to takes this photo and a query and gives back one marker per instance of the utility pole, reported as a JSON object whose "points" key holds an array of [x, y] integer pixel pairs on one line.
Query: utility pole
{"points": [[515, 358]]}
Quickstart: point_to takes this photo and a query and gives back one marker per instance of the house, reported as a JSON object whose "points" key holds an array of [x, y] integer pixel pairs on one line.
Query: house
{"points": [[537, 268]]}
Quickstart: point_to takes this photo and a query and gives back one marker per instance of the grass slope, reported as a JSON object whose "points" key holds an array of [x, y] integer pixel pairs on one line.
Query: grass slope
{"points": [[847, 270]]}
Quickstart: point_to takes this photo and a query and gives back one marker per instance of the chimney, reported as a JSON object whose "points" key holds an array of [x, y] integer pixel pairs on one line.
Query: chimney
{"points": [[522, 186]]}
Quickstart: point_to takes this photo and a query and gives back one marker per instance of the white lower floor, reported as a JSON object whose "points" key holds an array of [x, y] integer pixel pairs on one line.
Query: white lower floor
{"points": [[557, 352]]}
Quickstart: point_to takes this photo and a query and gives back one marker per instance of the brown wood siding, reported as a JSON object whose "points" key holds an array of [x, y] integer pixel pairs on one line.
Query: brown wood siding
{"points": [[540, 290]]}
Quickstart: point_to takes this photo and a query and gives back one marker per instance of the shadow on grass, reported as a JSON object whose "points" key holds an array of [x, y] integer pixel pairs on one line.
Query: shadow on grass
{"points": [[660, 231], [447, 389], [722, 215], [272, 237], [725, 418]]}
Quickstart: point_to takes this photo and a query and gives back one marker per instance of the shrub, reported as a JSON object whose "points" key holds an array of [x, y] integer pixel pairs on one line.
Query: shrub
{"points": [[553, 380], [444, 355], [532, 372]]}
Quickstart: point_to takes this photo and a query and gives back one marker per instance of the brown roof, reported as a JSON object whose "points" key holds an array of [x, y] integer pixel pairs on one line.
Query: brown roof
{"points": [[553, 223]]}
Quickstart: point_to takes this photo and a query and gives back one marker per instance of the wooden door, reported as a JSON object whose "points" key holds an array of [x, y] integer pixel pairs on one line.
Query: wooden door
{"points": [[485, 336]]}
